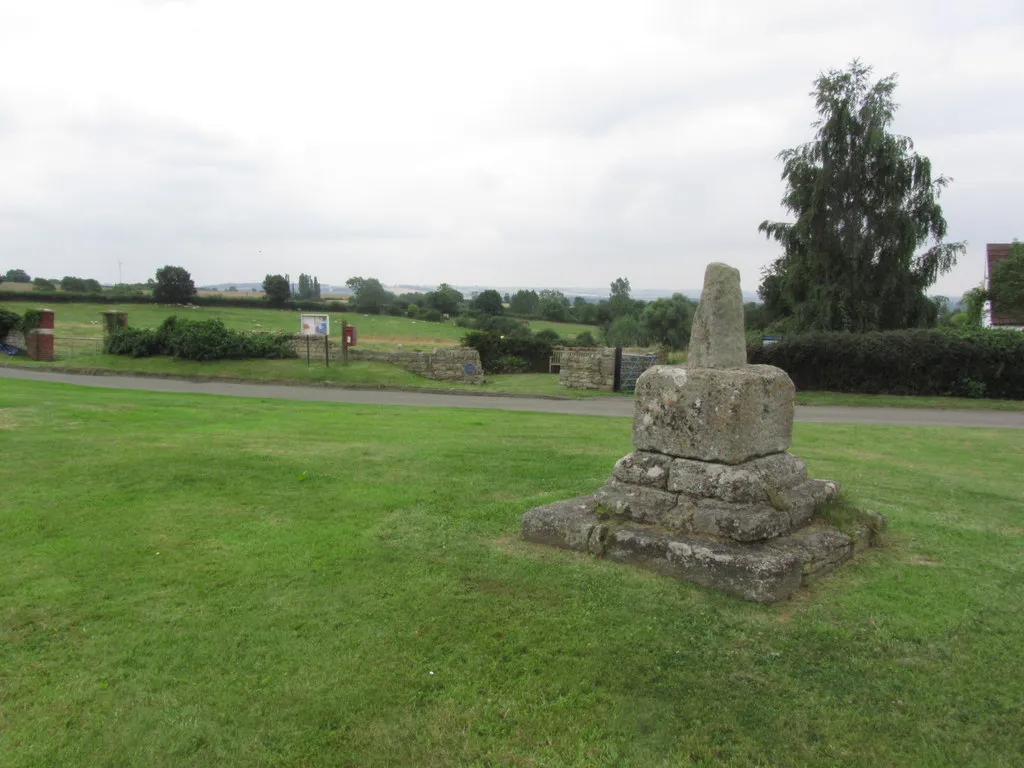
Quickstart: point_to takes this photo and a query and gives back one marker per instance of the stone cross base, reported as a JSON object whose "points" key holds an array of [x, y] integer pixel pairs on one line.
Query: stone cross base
{"points": [[766, 571]]}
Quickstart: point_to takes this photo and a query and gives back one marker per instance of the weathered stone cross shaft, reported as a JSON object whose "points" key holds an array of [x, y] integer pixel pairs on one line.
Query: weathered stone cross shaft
{"points": [[711, 494]]}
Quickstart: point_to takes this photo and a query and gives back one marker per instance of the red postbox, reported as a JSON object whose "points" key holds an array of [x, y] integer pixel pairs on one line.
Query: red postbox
{"points": [[349, 336]]}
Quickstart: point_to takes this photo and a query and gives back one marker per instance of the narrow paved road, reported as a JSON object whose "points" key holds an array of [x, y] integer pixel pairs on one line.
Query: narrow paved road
{"points": [[601, 406]]}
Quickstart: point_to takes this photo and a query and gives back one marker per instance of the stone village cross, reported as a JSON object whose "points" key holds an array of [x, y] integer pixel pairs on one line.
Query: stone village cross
{"points": [[711, 493]]}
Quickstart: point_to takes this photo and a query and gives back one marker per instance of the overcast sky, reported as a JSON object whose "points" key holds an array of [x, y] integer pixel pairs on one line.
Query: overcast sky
{"points": [[514, 143]]}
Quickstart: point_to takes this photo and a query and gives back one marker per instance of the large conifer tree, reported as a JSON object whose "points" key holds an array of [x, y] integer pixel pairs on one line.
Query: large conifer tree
{"points": [[868, 235]]}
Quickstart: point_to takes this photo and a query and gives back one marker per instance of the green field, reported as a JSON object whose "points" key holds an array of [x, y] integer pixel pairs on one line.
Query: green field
{"points": [[194, 580], [375, 331]]}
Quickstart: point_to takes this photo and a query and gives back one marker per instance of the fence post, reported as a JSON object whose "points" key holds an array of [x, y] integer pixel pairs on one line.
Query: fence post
{"points": [[617, 385]]}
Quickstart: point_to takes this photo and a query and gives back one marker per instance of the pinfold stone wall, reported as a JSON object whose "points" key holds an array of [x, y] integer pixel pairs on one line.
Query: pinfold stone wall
{"points": [[459, 364], [15, 339], [587, 368]]}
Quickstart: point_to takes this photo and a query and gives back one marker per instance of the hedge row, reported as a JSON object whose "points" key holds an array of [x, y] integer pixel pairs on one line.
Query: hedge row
{"points": [[197, 340], [248, 302], [509, 354], [977, 363]]}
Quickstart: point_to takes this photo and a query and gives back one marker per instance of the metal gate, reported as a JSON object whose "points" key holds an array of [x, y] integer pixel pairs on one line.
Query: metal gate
{"points": [[628, 368]]}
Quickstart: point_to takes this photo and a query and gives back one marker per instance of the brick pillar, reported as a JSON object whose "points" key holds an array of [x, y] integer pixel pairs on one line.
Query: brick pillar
{"points": [[40, 340]]}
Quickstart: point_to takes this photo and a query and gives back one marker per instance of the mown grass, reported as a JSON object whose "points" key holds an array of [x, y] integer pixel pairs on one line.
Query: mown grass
{"points": [[359, 373], [197, 580], [900, 401]]}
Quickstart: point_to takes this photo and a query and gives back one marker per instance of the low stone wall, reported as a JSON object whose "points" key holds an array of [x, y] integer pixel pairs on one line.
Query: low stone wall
{"points": [[15, 339], [449, 364], [587, 368]]}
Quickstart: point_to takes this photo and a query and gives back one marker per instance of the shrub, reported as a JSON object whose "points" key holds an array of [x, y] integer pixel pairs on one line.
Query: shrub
{"points": [[585, 339], [8, 322], [137, 342], [963, 363], [431, 315], [511, 364], [197, 340], [551, 337], [30, 320], [493, 347]]}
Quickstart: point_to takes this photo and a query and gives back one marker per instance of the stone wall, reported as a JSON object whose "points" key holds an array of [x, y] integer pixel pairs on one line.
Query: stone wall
{"points": [[15, 339], [458, 364], [588, 368]]}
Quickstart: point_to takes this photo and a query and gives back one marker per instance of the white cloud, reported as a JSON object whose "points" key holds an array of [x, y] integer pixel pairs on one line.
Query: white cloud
{"points": [[529, 143]]}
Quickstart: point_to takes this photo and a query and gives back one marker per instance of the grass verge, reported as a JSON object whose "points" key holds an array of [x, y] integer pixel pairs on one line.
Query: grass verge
{"points": [[296, 371], [898, 401], [201, 580]]}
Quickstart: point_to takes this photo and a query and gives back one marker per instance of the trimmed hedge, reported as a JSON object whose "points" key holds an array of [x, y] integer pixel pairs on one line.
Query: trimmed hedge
{"points": [[975, 363], [197, 340], [247, 302], [512, 354]]}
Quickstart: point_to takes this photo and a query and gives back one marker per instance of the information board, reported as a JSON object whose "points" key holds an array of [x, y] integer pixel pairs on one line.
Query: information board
{"points": [[315, 325]]}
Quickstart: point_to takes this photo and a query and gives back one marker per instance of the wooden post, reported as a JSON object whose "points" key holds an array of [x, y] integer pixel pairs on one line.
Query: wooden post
{"points": [[327, 351], [344, 343]]}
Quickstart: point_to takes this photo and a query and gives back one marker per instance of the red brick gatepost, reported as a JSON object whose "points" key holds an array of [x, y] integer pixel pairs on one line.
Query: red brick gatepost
{"points": [[40, 340]]}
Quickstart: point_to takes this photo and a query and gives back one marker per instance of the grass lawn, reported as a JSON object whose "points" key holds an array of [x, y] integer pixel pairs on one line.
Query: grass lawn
{"points": [[898, 401], [296, 371], [193, 580]]}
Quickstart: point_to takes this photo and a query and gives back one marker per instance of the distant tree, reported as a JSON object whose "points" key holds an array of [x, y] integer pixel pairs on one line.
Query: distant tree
{"points": [[173, 286], [445, 299], [505, 298], [42, 284], [232, 289], [524, 302], [864, 202], [755, 317], [17, 276], [584, 311], [80, 285], [667, 322], [619, 302], [972, 306], [553, 306], [316, 288], [627, 331], [1006, 283], [276, 289], [369, 296], [488, 303]]}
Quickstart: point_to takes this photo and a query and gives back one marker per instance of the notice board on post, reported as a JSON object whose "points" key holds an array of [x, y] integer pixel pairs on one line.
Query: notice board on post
{"points": [[315, 325]]}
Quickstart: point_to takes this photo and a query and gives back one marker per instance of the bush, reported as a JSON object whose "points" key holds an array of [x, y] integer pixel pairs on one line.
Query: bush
{"points": [[511, 364], [493, 347], [585, 339], [551, 337], [197, 340], [137, 342], [12, 321], [9, 321], [431, 315], [965, 363]]}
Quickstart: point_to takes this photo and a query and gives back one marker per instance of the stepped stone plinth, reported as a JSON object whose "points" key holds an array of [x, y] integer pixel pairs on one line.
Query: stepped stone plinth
{"points": [[711, 494]]}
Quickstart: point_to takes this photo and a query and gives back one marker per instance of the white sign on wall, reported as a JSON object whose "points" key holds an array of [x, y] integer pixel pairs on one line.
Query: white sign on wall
{"points": [[315, 325]]}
